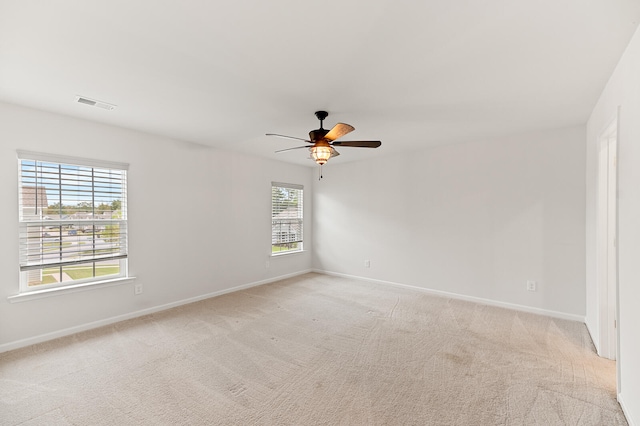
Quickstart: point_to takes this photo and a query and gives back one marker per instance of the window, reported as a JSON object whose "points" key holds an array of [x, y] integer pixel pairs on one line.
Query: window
{"points": [[286, 218], [73, 221]]}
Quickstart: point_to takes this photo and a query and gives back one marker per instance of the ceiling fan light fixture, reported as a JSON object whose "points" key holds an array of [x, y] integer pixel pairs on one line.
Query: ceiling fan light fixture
{"points": [[321, 153]]}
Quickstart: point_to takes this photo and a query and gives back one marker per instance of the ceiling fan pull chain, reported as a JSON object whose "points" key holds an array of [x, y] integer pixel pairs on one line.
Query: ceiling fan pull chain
{"points": [[320, 172]]}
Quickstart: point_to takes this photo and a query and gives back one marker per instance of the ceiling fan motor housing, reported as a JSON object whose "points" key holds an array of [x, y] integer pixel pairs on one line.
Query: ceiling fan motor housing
{"points": [[317, 135]]}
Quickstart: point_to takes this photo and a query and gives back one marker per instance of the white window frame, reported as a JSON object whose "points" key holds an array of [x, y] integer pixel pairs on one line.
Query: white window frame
{"points": [[296, 222], [24, 222]]}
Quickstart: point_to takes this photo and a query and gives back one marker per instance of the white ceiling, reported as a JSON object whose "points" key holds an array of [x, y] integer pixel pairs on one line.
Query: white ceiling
{"points": [[223, 73]]}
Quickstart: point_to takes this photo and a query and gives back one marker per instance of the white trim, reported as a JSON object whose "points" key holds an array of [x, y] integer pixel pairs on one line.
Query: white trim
{"points": [[625, 411], [606, 251], [107, 321], [285, 253], [75, 161], [513, 306], [594, 341], [74, 288], [288, 185]]}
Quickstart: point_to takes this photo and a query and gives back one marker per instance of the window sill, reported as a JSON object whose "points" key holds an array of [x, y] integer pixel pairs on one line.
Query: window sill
{"points": [[286, 253], [50, 292]]}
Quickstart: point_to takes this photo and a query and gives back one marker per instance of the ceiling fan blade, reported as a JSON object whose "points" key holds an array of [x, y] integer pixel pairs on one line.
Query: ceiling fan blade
{"points": [[338, 131], [358, 144], [297, 147], [287, 137]]}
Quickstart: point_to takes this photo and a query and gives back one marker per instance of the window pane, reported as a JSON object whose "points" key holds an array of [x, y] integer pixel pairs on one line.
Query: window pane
{"points": [[109, 267], [36, 277], [77, 272], [277, 248]]}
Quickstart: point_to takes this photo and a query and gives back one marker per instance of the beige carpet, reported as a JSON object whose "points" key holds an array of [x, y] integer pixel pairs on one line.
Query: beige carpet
{"points": [[316, 350]]}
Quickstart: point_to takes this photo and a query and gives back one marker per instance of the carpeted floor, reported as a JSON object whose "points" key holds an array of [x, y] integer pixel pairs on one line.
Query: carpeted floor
{"points": [[316, 350]]}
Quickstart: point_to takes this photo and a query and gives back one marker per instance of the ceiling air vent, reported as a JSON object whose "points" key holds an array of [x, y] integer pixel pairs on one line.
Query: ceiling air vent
{"points": [[95, 103]]}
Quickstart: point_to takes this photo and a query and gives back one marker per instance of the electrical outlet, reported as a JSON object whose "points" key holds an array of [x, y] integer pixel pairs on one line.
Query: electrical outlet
{"points": [[137, 289], [266, 264], [531, 285], [367, 264]]}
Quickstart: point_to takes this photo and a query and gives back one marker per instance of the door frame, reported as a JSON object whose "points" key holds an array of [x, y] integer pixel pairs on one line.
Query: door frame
{"points": [[607, 241]]}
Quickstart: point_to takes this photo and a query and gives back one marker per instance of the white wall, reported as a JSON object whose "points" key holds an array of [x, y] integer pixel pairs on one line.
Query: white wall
{"points": [[476, 219], [199, 221], [623, 90]]}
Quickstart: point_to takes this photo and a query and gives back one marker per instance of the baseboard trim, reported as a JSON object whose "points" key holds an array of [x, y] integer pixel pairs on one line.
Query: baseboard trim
{"points": [[513, 306], [112, 320], [625, 411], [593, 341]]}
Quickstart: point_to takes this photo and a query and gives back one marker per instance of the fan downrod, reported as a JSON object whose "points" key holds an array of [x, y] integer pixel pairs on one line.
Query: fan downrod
{"points": [[318, 134]]}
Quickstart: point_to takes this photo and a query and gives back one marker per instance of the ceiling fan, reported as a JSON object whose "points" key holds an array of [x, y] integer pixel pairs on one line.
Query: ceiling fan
{"points": [[323, 141]]}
